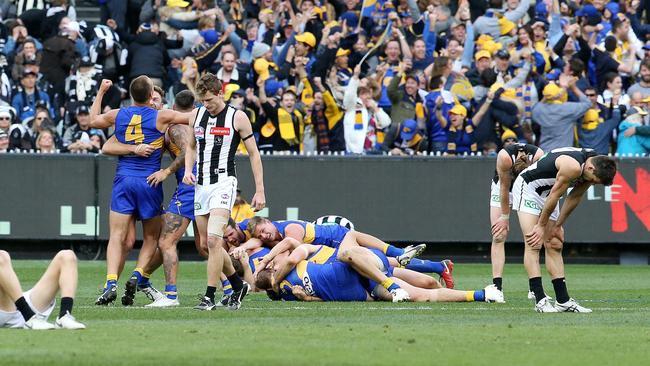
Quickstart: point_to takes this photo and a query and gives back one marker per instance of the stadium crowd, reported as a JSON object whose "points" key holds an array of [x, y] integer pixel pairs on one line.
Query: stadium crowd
{"points": [[349, 76]]}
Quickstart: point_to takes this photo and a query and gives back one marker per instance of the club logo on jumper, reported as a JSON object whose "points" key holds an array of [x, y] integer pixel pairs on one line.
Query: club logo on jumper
{"points": [[220, 131], [225, 196], [531, 204], [199, 132]]}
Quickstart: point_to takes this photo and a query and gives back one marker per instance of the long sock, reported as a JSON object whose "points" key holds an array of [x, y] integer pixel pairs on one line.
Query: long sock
{"points": [[390, 285], [561, 293], [170, 292], [66, 306], [137, 273], [392, 251], [535, 284], [497, 281], [227, 287], [475, 295], [23, 307], [111, 280], [144, 280], [425, 266], [235, 282], [209, 292]]}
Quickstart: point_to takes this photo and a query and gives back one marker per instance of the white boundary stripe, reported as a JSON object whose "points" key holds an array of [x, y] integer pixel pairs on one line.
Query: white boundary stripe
{"points": [[366, 308]]}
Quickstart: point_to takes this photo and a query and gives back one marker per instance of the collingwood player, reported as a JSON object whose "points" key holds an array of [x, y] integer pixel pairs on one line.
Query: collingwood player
{"points": [[511, 160], [536, 195], [218, 128]]}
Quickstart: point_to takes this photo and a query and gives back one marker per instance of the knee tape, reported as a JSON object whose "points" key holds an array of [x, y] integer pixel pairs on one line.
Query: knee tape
{"points": [[217, 226]]}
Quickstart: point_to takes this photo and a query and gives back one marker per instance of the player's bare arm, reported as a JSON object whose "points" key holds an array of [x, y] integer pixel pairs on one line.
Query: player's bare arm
{"points": [[300, 294], [179, 136], [286, 244], [571, 202], [568, 170], [300, 253], [115, 148], [98, 120], [245, 130], [504, 167], [190, 154]]}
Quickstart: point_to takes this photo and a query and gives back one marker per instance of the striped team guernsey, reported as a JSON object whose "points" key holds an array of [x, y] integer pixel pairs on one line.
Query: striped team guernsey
{"points": [[542, 174], [217, 142]]}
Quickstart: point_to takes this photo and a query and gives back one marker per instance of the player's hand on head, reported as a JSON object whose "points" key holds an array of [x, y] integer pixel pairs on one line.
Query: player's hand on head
{"points": [[258, 202]]}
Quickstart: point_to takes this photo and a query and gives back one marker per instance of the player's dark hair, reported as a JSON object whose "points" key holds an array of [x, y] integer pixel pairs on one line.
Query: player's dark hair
{"points": [[184, 100], [604, 169], [273, 295], [239, 269], [520, 164], [232, 223], [208, 83], [140, 89], [264, 279]]}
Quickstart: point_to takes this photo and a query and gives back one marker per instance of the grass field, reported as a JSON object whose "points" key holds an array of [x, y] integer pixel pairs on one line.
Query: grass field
{"points": [[281, 333]]}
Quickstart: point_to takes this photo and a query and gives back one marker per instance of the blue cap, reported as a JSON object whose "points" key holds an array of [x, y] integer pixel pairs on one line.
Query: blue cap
{"points": [[211, 36], [272, 86], [553, 75], [408, 130], [540, 9], [613, 8], [588, 11], [352, 20]]}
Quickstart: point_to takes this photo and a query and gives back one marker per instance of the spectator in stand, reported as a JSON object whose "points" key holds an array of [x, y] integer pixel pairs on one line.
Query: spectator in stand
{"points": [[405, 139], [45, 142], [596, 127], [59, 56], [325, 117], [28, 53], [632, 136], [284, 126], [643, 85], [613, 94], [4, 141], [228, 72], [363, 117], [489, 22], [147, 55], [17, 39], [5, 120], [78, 138], [24, 102], [406, 101], [556, 116], [459, 128]]}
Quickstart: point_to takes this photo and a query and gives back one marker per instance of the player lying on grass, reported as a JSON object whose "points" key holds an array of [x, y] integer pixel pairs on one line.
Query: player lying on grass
{"points": [[31, 309], [238, 235], [298, 279], [246, 266]]}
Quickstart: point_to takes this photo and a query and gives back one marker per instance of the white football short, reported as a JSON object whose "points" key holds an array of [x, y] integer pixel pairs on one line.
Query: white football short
{"points": [[525, 199], [14, 319], [495, 195], [220, 195]]}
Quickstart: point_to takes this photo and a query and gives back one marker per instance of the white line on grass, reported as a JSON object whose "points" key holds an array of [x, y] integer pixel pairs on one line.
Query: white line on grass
{"points": [[372, 308]]}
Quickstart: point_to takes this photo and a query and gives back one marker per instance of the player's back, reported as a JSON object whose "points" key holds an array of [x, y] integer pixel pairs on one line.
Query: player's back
{"points": [[175, 150], [137, 125]]}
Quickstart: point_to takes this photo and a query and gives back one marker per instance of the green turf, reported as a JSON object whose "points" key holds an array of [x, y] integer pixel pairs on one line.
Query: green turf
{"points": [[281, 333]]}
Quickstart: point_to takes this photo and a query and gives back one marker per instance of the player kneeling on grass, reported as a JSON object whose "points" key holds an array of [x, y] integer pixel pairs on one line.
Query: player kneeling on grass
{"points": [[298, 279], [31, 309]]}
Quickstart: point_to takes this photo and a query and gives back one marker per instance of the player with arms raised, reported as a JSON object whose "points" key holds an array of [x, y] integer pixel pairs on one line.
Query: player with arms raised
{"points": [[218, 128]]}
